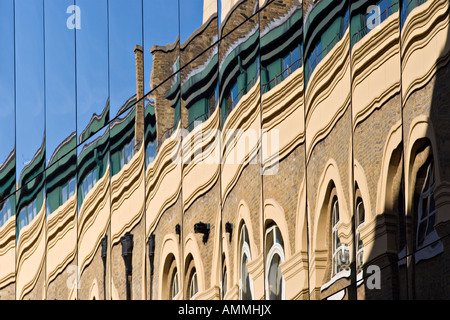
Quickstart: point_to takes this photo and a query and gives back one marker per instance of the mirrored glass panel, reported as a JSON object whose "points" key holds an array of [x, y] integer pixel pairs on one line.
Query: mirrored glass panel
{"points": [[151, 141], [59, 80], [93, 209], [323, 29], [198, 29], [161, 41], [367, 15], [30, 239], [92, 68], [7, 97], [126, 80], [30, 82], [281, 39], [199, 60], [199, 88], [61, 232], [162, 113], [281, 26], [61, 182], [125, 33], [239, 61], [427, 243], [332, 257], [381, 256], [92, 164], [232, 13], [123, 142]]}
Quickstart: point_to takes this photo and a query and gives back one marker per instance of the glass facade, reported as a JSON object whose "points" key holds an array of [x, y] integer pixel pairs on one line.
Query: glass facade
{"points": [[94, 93]]}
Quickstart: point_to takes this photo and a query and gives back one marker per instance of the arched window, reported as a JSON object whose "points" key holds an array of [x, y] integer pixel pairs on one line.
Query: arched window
{"points": [[224, 277], [174, 286], [193, 284], [360, 216], [427, 240], [275, 286], [245, 279], [340, 253]]}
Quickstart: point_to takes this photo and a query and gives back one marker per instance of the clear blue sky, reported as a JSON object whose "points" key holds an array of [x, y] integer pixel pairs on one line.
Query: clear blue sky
{"points": [[46, 101], [6, 79]]}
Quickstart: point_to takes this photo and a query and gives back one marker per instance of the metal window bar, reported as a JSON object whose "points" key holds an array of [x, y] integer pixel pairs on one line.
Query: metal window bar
{"points": [[282, 76], [240, 94]]}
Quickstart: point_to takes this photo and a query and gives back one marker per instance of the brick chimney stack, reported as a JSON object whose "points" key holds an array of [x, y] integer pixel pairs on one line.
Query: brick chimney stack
{"points": [[139, 118]]}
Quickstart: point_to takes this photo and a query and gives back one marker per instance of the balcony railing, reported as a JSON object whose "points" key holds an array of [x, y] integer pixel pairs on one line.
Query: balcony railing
{"points": [[314, 61], [408, 6], [281, 77], [242, 92], [164, 136]]}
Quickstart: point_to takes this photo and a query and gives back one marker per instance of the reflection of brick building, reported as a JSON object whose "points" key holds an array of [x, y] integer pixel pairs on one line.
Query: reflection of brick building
{"points": [[290, 150]]}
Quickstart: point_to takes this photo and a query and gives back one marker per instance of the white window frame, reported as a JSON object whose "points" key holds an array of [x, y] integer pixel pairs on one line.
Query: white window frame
{"points": [[174, 284], [276, 249], [336, 249], [223, 283], [191, 285], [245, 251]]}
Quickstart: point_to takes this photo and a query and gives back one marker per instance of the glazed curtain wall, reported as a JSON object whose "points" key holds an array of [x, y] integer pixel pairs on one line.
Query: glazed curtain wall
{"points": [[86, 86]]}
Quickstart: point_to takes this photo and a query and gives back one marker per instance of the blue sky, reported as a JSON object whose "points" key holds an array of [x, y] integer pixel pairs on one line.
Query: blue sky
{"points": [[7, 126], [66, 95]]}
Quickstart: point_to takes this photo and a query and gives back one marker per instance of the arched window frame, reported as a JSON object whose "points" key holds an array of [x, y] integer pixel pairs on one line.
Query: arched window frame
{"points": [[193, 284], [340, 252], [277, 248], [174, 285], [244, 252], [224, 278], [360, 216]]}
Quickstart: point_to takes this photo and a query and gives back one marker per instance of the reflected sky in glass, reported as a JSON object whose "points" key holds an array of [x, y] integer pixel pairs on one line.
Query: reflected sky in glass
{"points": [[125, 31], [30, 115], [59, 76], [191, 17], [7, 125], [92, 61]]}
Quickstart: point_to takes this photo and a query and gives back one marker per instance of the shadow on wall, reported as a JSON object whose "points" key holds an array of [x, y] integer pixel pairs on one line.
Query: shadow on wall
{"points": [[414, 261]]}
